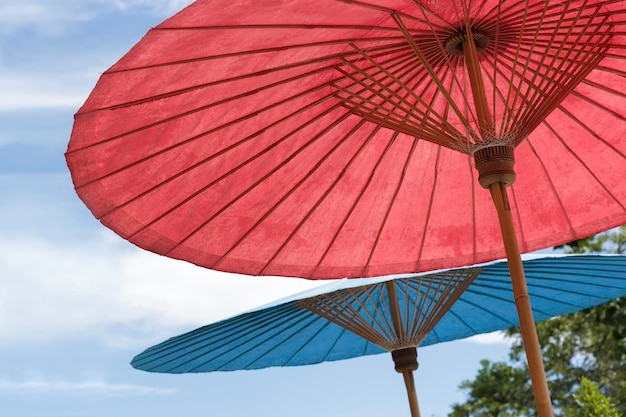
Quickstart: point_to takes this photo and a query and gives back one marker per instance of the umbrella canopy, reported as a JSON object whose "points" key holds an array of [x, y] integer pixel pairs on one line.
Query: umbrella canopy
{"points": [[352, 318], [334, 139], [339, 137]]}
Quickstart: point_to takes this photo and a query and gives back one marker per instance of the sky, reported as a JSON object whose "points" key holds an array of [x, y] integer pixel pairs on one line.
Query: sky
{"points": [[77, 302]]}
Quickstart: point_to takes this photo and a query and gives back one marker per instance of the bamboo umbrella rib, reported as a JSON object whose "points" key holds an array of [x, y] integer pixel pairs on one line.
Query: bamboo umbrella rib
{"points": [[332, 346], [242, 341], [508, 15], [511, 90], [394, 310], [238, 54], [451, 62], [261, 179], [379, 314], [357, 102], [552, 11], [462, 281], [496, 51], [210, 158], [308, 342], [338, 308], [440, 305], [206, 186], [285, 26], [254, 75], [426, 302], [415, 285], [295, 330], [200, 337], [507, 299], [499, 97], [591, 132], [421, 303], [390, 206], [326, 193], [522, 96], [431, 72], [547, 106], [428, 211], [542, 284], [584, 70], [248, 322], [605, 89], [384, 311], [480, 306], [357, 200], [426, 13], [206, 107], [288, 193], [586, 167], [551, 53], [426, 129], [443, 124], [553, 188], [512, 119], [595, 54], [599, 106], [608, 70]]}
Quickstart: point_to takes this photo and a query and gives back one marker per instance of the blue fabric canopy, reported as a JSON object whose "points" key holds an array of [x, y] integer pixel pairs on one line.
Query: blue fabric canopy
{"points": [[285, 333]]}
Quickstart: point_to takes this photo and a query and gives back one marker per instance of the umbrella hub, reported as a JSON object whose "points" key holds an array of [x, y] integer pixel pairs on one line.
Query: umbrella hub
{"points": [[495, 165], [454, 44], [405, 359]]}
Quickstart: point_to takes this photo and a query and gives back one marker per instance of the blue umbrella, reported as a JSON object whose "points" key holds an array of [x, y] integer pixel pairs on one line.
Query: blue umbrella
{"points": [[352, 318]]}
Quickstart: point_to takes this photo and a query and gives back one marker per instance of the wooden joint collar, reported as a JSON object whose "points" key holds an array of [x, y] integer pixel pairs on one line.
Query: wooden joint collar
{"points": [[405, 359]]}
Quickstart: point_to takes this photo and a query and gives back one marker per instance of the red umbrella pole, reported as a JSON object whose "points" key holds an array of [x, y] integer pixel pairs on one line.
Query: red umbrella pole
{"points": [[522, 302], [495, 166]]}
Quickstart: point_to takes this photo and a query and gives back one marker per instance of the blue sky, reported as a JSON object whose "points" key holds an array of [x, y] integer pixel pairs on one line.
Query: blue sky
{"points": [[77, 302]]}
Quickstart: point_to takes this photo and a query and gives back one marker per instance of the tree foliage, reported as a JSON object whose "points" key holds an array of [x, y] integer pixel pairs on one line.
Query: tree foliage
{"points": [[591, 403], [588, 344]]}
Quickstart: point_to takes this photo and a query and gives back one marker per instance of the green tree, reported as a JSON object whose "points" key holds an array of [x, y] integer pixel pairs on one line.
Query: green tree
{"points": [[590, 343], [590, 402]]}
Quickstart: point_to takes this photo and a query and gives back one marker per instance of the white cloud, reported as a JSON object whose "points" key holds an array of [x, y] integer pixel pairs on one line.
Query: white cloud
{"points": [[51, 16], [80, 386], [125, 296], [22, 91], [56, 75]]}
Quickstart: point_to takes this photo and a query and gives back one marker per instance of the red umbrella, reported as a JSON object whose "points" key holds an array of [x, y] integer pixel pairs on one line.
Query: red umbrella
{"points": [[341, 138]]}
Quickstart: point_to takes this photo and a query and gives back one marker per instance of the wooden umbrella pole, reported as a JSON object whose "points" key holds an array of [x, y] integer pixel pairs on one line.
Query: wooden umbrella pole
{"points": [[405, 359], [412, 394], [495, 165], [522, 302]]}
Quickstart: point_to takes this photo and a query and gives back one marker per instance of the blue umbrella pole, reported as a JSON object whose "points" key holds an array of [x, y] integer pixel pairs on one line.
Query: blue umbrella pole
{"points": [[405, 361]]}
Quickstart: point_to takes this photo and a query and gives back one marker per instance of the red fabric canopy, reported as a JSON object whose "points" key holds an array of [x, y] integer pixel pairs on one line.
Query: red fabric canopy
{"points": [[310, 139]]}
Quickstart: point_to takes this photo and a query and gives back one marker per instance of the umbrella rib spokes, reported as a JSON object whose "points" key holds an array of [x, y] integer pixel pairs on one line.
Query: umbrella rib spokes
{"points": [[433, 74]]}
